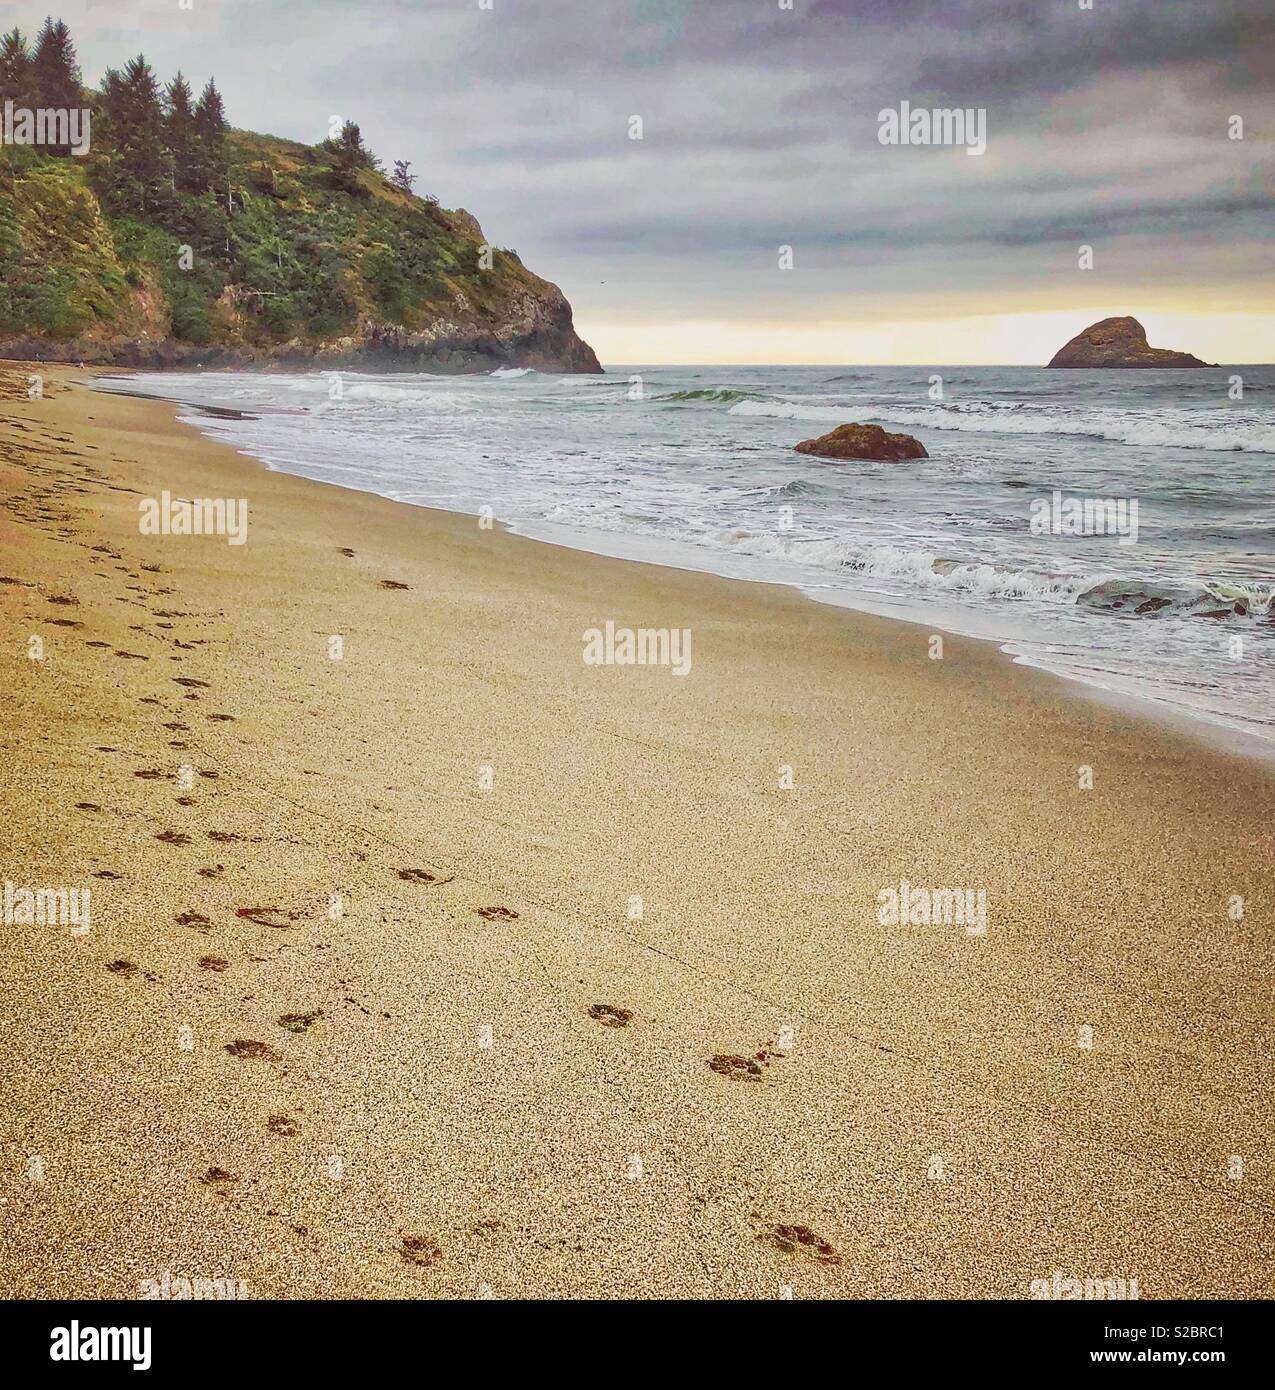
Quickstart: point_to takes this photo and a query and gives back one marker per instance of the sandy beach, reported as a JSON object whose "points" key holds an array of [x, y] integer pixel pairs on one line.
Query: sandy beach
{"points": [[368, 1007]]}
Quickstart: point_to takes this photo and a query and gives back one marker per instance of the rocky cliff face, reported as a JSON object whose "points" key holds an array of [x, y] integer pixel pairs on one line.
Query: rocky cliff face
{"points": [[533, 329], [1118, 342]]}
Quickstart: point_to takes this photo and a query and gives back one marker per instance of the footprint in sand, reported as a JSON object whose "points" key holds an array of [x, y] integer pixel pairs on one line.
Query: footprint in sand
{"points": [[422, 876], [737, 1068], [222, 837], [747, 1068], [191, 682], [192, 919], [87, 806], [300, 1023], [264, 916], [212, 871], [173, 837], [283, 1125], [497, 914], [799, 1240], [150, 773], [213, 963], [420, 1250], [611, 1015], [248, 1047], [107, 873], [63, 622], [126, 968], [218, 1177], [223, 718], [346, 551], [393, 584]]}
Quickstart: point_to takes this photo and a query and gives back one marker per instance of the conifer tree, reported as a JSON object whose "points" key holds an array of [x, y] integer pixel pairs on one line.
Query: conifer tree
{"points": [[210, 139], [403, 178], [347, 155], [179, 132], [138, 176], [17, 80], [56, 73]]}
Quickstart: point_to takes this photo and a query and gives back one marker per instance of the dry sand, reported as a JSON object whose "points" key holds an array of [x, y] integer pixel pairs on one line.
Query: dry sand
{"points": [[921, 1119]]}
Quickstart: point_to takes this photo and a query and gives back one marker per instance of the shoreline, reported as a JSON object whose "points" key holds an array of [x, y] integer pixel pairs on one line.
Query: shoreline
{"points": [[788, 1063], [1220, 732]]}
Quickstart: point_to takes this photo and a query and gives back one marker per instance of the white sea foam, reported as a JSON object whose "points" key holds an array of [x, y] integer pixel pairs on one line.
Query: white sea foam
{"points": [[1216, 435]]}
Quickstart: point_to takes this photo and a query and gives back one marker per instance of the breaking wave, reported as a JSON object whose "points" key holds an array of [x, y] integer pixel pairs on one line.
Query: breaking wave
{"points": [[719, 395], [985, 579], [993, 417]]}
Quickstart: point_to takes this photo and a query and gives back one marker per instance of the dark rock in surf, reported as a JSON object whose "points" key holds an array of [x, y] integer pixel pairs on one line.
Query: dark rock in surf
{"points": [[863, 442]]}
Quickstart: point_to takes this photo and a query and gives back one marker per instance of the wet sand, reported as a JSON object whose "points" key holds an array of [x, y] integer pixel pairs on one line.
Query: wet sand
{"points": [[367, 1008]]}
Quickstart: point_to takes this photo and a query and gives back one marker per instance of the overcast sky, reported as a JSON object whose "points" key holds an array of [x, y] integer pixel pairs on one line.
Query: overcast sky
{"points": [[1105, 127]]}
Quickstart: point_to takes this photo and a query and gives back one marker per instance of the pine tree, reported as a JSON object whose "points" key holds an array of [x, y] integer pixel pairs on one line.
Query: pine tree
{"points": [[348, 155], [209, 169], [56, 73], [179, 134], [55, 67], [401, 178], [137, 178], [17, 80]]}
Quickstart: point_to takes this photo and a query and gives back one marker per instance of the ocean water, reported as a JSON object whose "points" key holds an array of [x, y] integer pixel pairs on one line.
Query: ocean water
{"points": [[695, 467]]}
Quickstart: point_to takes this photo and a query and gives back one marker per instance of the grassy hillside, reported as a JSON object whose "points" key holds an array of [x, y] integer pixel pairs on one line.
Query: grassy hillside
{"points": [[297, 259]]}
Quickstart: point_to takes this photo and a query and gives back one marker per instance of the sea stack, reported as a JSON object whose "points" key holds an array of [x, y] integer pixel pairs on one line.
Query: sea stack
{"points": [[1118, 342]]}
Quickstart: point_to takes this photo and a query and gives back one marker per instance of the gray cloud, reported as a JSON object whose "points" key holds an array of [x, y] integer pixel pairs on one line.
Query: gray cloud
{"points": [[1105, 126]]}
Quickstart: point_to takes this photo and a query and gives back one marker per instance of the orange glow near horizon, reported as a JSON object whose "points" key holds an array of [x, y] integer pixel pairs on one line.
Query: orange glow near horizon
{"points": [[1024, 339]]}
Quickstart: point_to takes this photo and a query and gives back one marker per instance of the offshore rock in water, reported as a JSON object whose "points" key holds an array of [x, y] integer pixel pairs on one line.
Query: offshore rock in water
{"points": [[1118, 342], [863, 442]]}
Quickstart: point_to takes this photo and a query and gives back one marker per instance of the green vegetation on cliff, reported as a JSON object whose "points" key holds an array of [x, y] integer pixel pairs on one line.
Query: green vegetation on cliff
{"points": [[176, 238]]}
